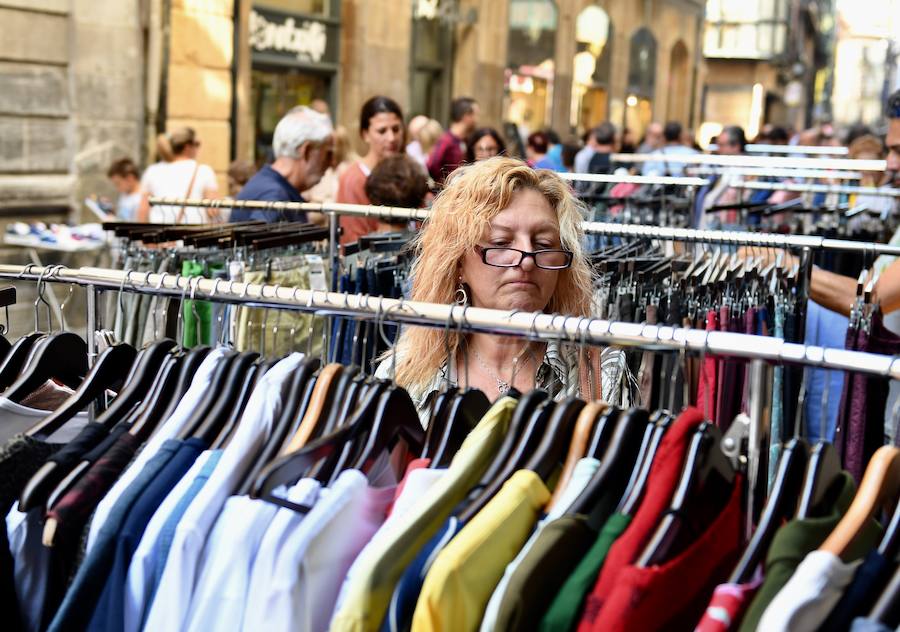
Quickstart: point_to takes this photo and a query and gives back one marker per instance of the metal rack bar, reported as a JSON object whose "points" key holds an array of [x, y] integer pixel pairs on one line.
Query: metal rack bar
{"points": [[738, 238], [757, 161], [617, 179], [757, 148], [573, 329], [802, 187], [774, 172]]}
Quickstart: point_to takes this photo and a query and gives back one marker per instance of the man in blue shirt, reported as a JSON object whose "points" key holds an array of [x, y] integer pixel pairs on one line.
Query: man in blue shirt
{"points": [[303, 146]]}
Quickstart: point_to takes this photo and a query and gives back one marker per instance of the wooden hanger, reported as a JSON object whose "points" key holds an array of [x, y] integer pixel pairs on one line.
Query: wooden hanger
{"points": [[577, 447], [316, 411], [879, 488]]}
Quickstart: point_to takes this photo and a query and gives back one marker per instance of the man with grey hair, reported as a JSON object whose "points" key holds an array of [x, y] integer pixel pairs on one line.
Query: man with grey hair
{"points": [[303, 146]]}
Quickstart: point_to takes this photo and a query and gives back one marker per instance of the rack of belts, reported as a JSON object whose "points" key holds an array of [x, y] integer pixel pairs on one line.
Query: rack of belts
{"points": [[761, 351]]}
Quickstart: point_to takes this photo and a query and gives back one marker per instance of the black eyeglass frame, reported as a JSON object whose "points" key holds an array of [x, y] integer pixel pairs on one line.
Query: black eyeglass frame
{"points": [[483, 251]]}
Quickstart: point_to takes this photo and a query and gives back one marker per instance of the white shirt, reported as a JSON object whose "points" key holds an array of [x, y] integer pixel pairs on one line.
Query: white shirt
{"points": [[415, 488], [31, 562], [306, 492], [221, 591], [810, 594], [663, 167], [301, 591], [167, 430], [581, 476], [171, 179], [143, 562], [186, 555]]}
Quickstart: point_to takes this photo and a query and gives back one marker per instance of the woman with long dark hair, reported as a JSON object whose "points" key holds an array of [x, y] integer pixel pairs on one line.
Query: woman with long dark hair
{"points": [[381, 128]]}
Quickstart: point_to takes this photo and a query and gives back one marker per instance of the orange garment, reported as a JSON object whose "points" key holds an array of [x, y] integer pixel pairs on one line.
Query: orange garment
{"points": [[352, 190]]}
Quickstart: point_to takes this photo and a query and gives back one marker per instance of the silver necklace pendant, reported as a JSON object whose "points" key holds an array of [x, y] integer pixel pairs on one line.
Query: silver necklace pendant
{"points": [[502, 386]]}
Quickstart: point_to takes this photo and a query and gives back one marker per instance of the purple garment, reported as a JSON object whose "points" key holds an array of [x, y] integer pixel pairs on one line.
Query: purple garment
{"points": [[840, 428], [864, 431]]}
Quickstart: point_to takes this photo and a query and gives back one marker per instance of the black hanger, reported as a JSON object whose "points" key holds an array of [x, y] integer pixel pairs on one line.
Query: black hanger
{"points": [[340, 395], [396, 418], [363, 417], [356, 387], [705, 463], [290, 468], [62, 357], [232, 387], [528, 441], [436, 420], [603, 430], [520, 419], [822, 473], [557, 437], [250, 379], [192, 361], [208, 401], [5, 346], [108, 372], [298, 394], [465, 411], [604, 491], [142, 420], [657, 427], [781, 506], [16, 357], [144, 373]]}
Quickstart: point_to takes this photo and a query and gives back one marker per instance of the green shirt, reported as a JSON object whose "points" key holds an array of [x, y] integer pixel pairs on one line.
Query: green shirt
{"points": [[565, 609], [797, 538]]}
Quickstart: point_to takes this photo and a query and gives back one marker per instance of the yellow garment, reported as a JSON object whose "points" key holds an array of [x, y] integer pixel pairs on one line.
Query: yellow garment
{"points": [[370, 590], [464, 575], [278, 332]]}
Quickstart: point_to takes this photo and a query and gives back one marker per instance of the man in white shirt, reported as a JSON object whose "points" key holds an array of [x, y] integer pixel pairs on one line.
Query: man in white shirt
{"points": [[672, 134]]}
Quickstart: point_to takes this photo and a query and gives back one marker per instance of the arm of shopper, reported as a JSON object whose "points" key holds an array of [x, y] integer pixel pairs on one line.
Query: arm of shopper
{"points": [[143, 212], [832, 291], [887, 288]]}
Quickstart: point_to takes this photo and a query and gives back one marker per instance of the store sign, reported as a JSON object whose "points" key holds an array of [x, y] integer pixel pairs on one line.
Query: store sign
{"points": [[304, 39]]}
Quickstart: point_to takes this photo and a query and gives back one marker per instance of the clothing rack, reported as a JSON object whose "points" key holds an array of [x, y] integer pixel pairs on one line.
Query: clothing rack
{"points": [[757, 148], [760, 172], [802, 187], [618, 179], [739, 238], [539, 326], [756, 161]]}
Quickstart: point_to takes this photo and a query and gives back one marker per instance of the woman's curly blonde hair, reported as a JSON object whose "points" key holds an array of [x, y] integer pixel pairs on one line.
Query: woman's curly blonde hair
{"points": [[459, 217]]}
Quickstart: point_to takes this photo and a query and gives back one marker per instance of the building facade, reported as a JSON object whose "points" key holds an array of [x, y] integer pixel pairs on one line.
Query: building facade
{"points": [[104, 78], [767, 62]]}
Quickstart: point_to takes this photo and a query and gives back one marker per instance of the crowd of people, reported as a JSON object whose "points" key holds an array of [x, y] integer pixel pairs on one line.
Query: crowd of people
{"points": [[313, 160]]}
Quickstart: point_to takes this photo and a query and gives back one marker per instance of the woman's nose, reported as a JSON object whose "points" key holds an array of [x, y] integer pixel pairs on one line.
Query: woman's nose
{"points": [[527, 263]]}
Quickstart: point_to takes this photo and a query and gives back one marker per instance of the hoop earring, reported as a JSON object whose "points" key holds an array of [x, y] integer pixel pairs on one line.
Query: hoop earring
{"points": [[461, 297]]}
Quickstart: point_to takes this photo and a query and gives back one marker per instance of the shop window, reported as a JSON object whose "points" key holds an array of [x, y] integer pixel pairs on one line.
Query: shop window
{"points": [[679, 84], [431, 52], [275, 91], [641, 81], [590, 85], [746, 29], [530, 65]]}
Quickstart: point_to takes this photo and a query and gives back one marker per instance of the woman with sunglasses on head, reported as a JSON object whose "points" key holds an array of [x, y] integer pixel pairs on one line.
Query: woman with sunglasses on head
{"points": [[381, 128], [180, 175], [501, 235]]}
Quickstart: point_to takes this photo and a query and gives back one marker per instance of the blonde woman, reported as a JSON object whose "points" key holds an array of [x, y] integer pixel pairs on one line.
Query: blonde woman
{"points": [[502, 236], [178, 175]]}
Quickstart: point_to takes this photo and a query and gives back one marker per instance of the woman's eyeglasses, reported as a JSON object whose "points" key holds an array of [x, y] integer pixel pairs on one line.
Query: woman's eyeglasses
{"points": [[550, 259]]}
